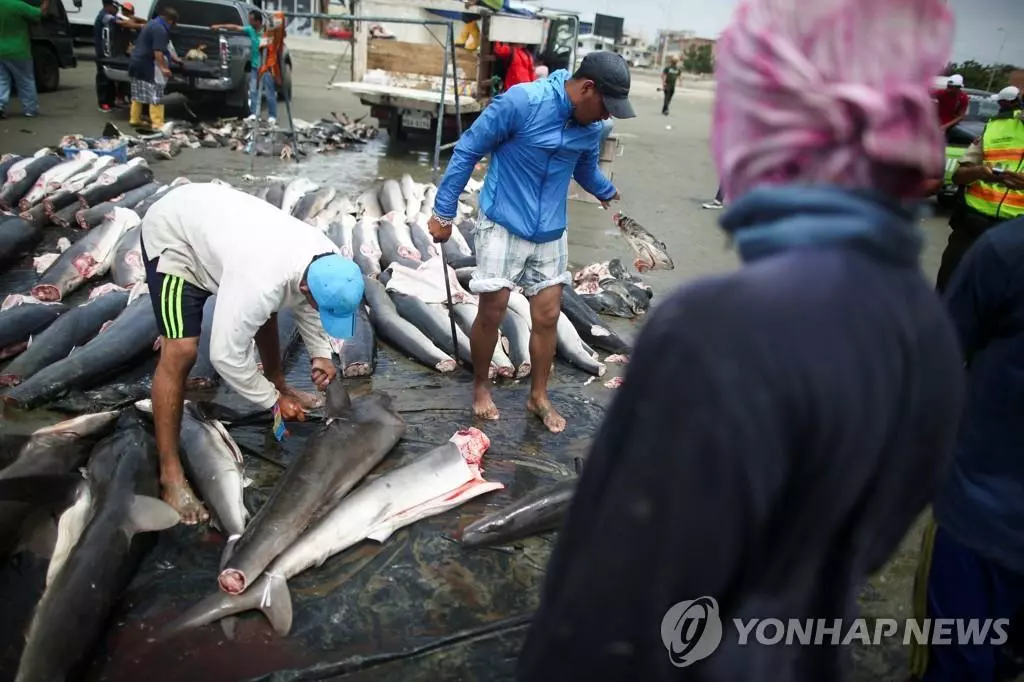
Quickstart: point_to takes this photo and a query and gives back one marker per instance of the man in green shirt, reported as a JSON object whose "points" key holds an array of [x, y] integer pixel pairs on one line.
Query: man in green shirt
{"points": [[255, 30], [669, 76], [16, 53]]}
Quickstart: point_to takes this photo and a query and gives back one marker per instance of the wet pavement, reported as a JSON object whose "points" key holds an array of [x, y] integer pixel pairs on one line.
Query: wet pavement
{"points": [[664, 174]]}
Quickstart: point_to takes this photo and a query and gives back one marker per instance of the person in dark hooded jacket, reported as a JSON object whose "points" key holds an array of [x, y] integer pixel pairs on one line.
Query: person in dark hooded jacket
{"points": [[780, 427]]}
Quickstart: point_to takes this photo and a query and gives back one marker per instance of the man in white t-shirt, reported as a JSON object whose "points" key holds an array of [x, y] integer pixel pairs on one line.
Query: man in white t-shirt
{"points": [[202, 239]]}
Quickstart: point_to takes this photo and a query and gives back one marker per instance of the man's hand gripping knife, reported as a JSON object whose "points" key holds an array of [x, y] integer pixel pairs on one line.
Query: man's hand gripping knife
{"points": [[285, 408]]}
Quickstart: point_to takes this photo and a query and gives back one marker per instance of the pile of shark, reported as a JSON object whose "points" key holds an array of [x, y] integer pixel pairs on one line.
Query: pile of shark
{"points": [[57, 347], [83, 494], [338, 133]]}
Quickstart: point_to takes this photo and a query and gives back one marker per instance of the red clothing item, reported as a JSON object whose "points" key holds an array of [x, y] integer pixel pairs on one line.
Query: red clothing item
{"points": [[952, 103], [520, 64]]}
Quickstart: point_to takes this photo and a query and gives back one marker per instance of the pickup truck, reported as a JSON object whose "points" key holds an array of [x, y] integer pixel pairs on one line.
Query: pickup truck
{"points": [[222, 79]]}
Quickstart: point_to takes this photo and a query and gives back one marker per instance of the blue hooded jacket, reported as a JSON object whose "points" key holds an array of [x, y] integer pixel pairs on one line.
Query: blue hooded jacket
{"points": [[536, 147]]}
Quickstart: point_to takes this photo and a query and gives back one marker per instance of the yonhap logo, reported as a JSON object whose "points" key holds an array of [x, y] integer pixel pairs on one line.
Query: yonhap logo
{"points": [[691, 631]]}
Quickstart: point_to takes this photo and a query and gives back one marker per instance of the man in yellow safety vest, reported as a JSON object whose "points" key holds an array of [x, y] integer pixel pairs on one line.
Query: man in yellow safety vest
{"points": [[992, 172]]}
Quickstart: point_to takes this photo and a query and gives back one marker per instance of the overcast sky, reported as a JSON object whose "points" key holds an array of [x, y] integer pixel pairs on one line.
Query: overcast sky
{"points": [[977, 35]]}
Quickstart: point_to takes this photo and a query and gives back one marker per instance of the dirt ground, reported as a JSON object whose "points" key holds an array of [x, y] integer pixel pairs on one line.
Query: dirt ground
{"points": [[664, 174]]}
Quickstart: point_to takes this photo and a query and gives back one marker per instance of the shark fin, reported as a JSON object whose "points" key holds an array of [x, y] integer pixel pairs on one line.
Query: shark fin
{"points": [[150, 514], [228, 626], [269, 594], [338, 401]]}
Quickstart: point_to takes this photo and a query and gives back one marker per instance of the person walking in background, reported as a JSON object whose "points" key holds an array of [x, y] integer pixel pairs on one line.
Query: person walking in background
{"points": [[781, 426], [519, 64], [992, 172], [254, 31], [669, 76], [715, 203], [972, 557], [16, 66], [149, 68], [539, 136]]}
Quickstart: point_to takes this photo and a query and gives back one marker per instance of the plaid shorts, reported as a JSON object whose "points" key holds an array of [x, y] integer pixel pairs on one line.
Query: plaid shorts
{"points": [[505, 261], [146, 92]]}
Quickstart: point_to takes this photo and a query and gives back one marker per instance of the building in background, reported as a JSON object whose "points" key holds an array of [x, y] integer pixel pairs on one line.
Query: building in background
{"points": [[672, 43]]}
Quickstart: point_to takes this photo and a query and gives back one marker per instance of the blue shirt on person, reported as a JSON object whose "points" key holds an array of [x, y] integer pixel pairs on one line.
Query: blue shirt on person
{"points": [[536, 147], [153, 37], [103, 19]]}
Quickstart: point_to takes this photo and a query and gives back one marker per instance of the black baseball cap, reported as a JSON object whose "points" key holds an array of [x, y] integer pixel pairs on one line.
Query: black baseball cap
{"points": [[610, 74]]}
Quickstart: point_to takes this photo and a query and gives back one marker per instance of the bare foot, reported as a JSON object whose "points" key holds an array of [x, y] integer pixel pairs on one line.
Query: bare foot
{"points": [[483, 405], [546, 411], [184, 501]]}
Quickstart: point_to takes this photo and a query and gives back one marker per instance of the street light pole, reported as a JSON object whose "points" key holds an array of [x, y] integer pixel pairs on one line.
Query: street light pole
{"points": [[992, 75]]}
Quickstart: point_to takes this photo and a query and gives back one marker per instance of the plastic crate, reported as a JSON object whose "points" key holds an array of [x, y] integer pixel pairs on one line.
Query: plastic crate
{"points": [[119, 153]]}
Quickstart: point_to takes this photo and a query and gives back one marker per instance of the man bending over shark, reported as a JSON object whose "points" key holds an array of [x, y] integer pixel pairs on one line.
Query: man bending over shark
{"points": [[203, 239]]}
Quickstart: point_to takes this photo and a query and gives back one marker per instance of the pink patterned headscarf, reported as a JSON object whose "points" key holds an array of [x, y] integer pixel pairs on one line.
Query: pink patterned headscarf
{"points": [[830, 91]]}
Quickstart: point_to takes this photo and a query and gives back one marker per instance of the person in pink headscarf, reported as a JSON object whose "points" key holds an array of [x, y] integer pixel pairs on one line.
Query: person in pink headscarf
{"points": [[781, 426]]}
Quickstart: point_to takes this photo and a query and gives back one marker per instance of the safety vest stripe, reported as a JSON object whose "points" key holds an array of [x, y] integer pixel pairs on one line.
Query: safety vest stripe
{"points": [[988, 193], [1004, 154]]}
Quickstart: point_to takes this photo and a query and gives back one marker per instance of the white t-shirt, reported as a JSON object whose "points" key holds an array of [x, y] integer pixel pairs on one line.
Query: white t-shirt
{"points": [[253, 256]]}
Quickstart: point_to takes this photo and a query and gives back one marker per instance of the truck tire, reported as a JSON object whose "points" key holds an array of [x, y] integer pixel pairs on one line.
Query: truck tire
{"points": [[47, 68], [286, 82]]}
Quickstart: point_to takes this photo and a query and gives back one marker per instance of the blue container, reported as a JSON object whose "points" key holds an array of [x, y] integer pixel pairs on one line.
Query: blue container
{"points": [[120, 153]]}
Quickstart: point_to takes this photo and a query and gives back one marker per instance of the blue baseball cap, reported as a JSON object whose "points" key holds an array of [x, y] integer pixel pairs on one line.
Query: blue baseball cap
{"points": [[336, 284]]}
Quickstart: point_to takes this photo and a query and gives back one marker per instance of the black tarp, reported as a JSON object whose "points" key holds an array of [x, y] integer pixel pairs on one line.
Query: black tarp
{"points": [[417, 607]]}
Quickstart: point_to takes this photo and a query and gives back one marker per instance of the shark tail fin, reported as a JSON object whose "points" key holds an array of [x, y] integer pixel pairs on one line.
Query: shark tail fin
{"points": [[269, 594]]}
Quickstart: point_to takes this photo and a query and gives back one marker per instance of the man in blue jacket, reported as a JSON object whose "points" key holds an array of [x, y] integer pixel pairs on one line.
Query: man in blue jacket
{"points": [[972, 559], [539, 135]]}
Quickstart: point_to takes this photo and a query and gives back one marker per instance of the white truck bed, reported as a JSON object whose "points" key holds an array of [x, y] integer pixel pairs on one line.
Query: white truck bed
{"points": [[408, 98]]}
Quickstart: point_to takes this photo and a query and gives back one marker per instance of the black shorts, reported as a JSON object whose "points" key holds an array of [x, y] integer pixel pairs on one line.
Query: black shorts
{"points": [[177, 304]]}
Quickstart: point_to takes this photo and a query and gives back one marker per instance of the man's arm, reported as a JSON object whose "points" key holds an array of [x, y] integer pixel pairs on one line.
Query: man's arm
{"points": [[227, 27], [975, 294], [664, 77], [313, 335], [971, 166], [590, 177], [496, 124], [239, 314]]}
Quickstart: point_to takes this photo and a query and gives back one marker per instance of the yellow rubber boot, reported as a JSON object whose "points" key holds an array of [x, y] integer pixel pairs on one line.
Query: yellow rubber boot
{"points": [[469, 38], [156, 116], [135, 116]]}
